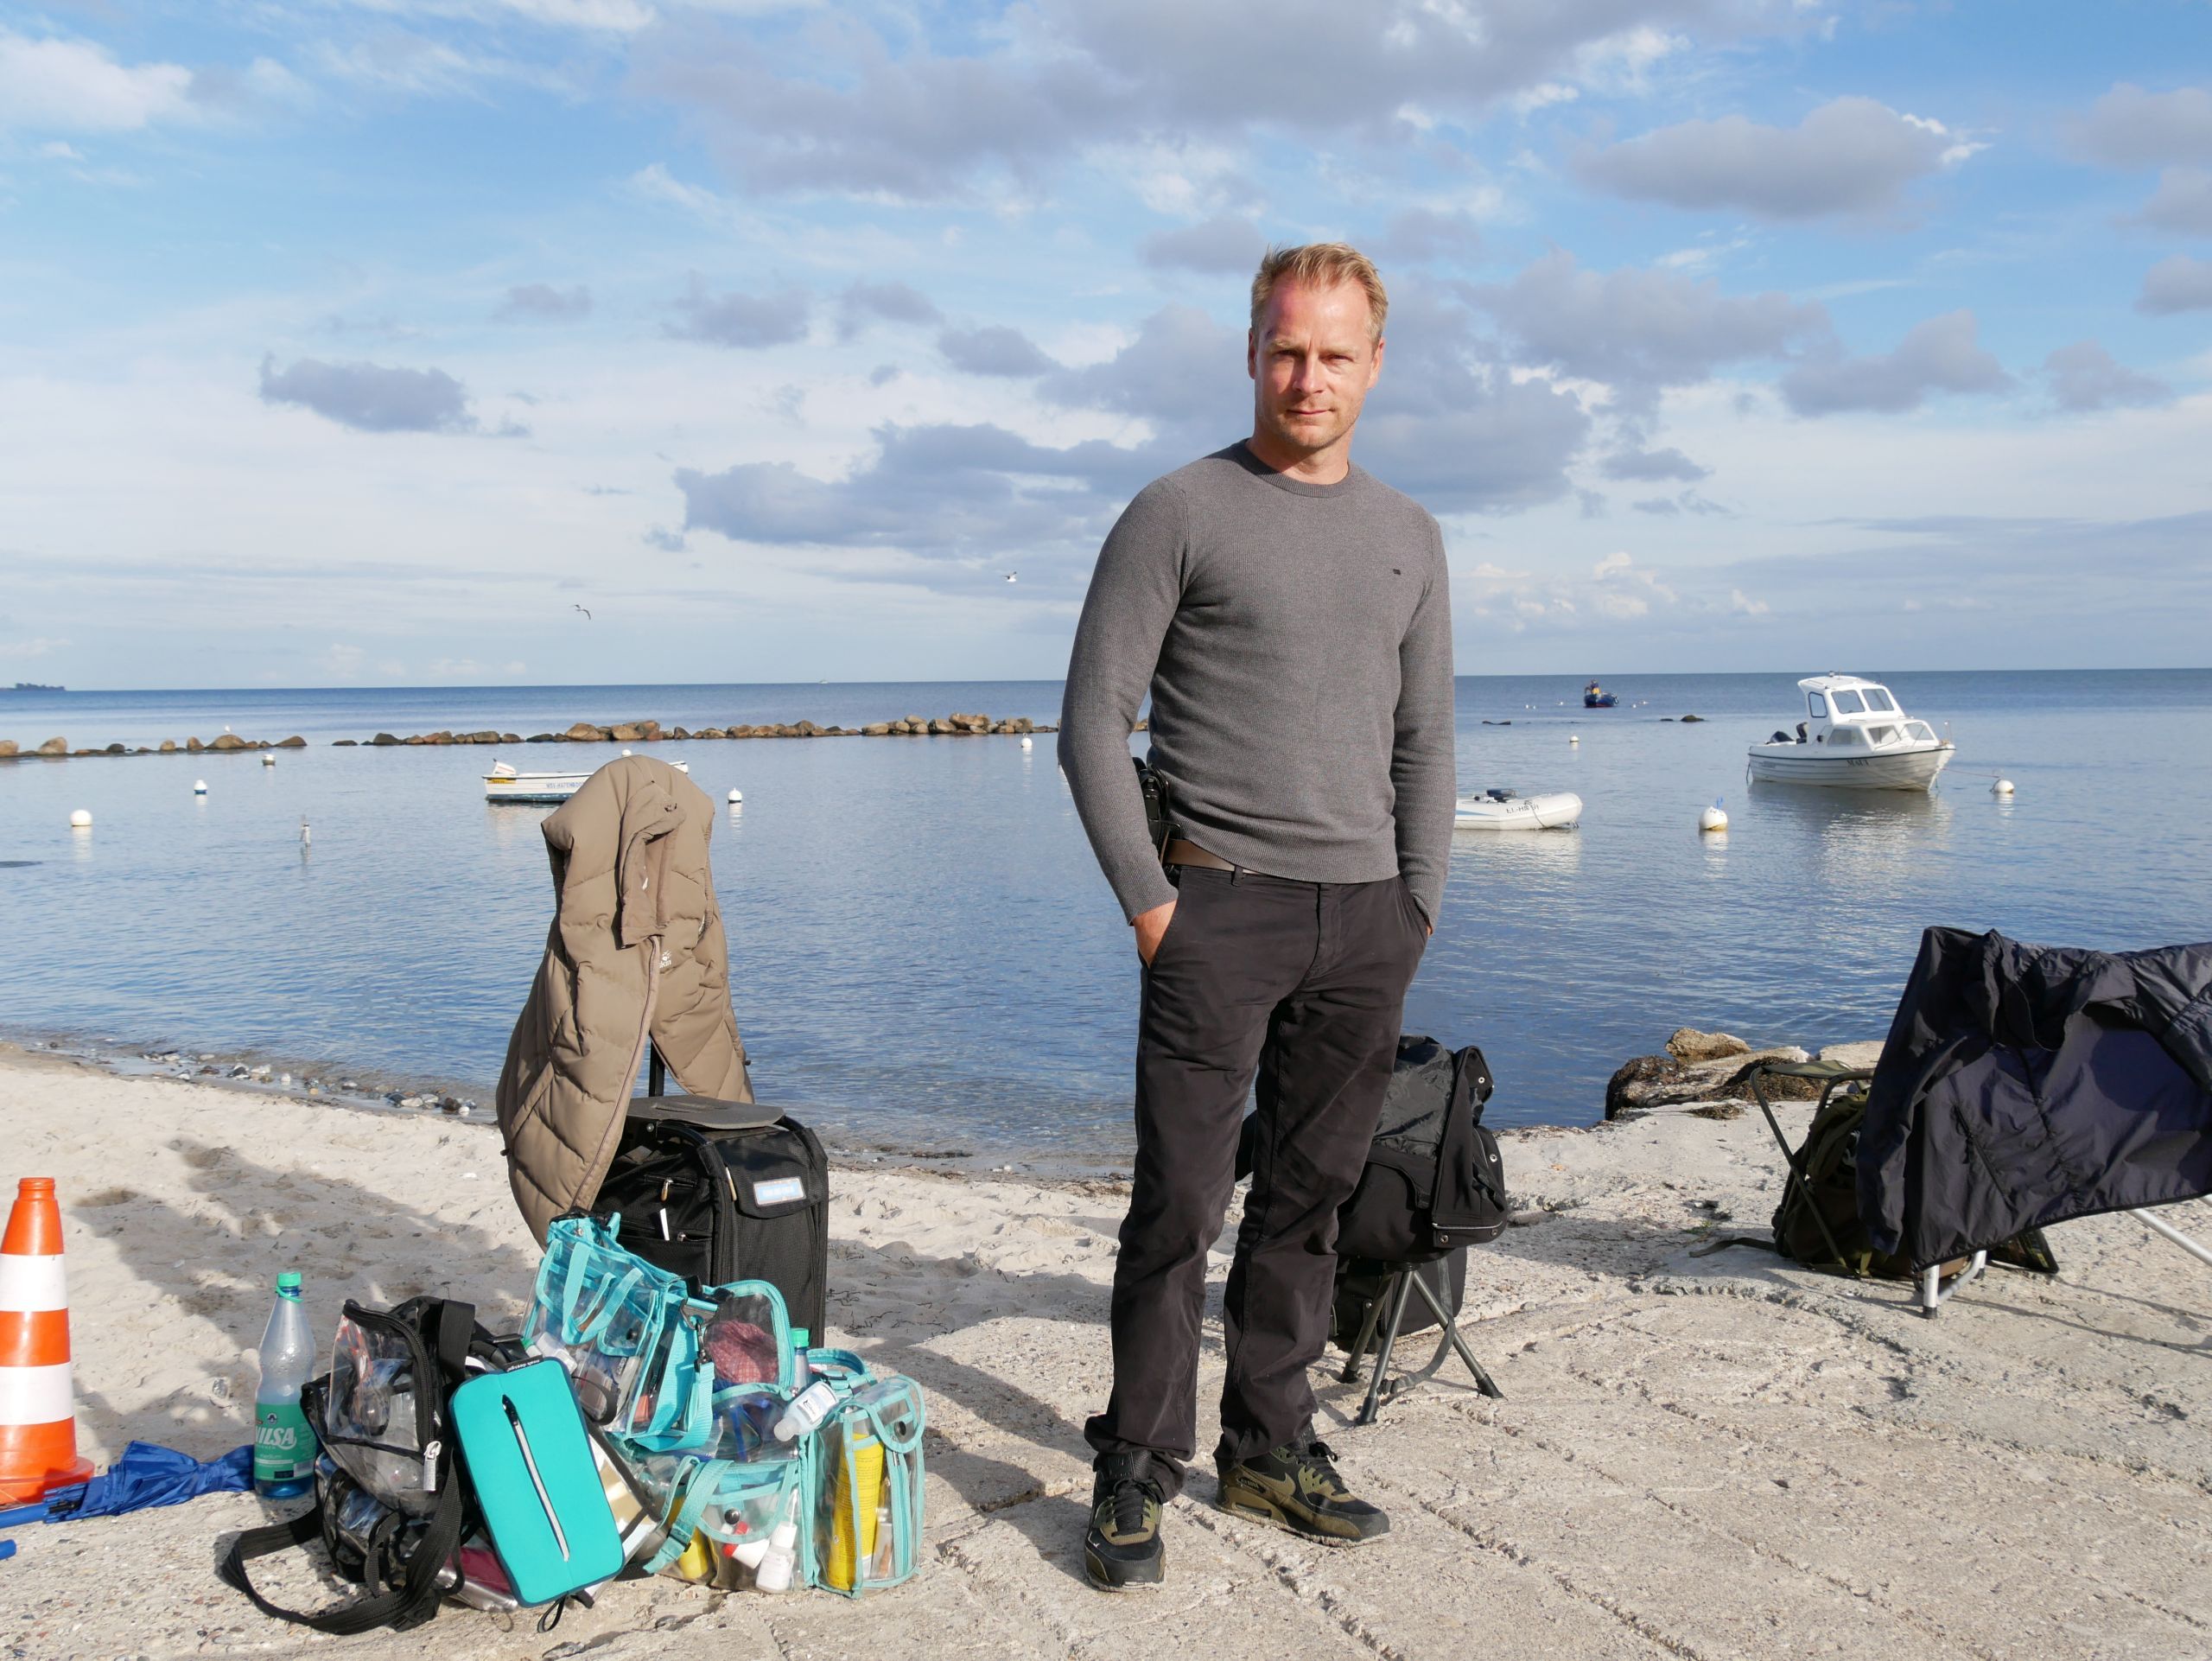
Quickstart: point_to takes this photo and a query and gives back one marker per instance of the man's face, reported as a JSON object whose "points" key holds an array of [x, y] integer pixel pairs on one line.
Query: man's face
{"points": [[1312, 364]]}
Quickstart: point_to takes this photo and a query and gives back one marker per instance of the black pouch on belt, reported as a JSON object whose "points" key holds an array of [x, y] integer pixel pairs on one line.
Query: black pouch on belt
{"points": [[1159, 810]]}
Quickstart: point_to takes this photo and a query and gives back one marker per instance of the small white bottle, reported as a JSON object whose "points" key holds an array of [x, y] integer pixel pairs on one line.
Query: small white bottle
{"points": [[806, 1411], [781, 1558]]}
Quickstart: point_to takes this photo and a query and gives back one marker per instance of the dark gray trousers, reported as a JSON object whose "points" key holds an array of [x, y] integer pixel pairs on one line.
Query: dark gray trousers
{"points": [[1298, 987]]}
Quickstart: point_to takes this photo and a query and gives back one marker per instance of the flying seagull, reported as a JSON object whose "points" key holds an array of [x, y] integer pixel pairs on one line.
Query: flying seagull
{"points": [[587, 613], [1010, 575]]}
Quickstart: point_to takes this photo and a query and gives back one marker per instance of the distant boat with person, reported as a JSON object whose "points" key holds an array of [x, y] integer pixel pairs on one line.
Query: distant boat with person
{"points": [[1595, 696]]}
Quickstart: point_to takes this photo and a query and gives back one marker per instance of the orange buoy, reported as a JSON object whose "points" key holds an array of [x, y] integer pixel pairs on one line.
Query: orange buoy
{"points": [[38, 1404]]}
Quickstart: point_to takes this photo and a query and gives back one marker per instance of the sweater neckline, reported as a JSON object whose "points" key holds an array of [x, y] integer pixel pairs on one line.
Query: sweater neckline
{"points": [[1241, 452]]}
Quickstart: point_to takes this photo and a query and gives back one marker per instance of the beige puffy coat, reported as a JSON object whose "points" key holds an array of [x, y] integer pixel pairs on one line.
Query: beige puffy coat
{"points": [[636, 952]]}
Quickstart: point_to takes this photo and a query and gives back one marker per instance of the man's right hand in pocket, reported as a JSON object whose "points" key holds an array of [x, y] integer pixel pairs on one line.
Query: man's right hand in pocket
{"points": [[1151, 928]]}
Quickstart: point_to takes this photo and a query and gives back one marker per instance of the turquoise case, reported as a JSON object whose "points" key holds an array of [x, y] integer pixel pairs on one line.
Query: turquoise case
{"points": [[528, 1546]]}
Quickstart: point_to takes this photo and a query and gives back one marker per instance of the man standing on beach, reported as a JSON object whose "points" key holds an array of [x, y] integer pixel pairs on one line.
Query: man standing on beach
{"points": [[1289, 617]]}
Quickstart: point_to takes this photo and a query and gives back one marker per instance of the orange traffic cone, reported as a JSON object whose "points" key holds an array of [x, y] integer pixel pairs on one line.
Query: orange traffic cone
{"points": [[38, 1407]]}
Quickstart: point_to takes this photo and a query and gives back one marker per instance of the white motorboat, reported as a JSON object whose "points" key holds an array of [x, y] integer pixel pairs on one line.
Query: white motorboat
{"points": [[503, 784], [1502, 810], [1853, 737]]}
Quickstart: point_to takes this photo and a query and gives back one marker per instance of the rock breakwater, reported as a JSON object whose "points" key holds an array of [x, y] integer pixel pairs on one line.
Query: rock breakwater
{"points": [[222, 744], [958, 724]]}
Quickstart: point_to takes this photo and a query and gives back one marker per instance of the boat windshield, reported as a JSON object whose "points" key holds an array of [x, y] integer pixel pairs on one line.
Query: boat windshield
{"points": [[1878, 700], [1818, 705], [1849, 704], [1919, 730]]}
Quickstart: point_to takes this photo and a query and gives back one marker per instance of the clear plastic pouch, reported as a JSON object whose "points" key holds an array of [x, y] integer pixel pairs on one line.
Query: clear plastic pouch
{"points": [[616, 1323], [865, 1483], [378, 1410], [723, 1515], [645, 1355]]}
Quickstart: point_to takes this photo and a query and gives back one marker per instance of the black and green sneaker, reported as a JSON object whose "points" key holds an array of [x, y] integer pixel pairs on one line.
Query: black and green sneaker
{"points": [[1296, 1487], [1122, 1547]]}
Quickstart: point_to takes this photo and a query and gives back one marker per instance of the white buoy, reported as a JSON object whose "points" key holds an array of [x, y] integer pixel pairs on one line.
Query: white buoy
{"points": [[1575, 738], [1026, 741], [1713, 818], [307, 837], [2002, 787], [268, 760], [80, 820], [200, 787], [735, 797]]}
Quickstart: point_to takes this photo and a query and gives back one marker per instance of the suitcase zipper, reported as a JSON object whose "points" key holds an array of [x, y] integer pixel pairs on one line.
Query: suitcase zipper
{"points": [[721, 1260]]}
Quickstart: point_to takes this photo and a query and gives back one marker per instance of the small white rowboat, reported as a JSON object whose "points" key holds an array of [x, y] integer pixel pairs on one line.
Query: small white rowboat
{"points": [[1501, 810], [503, 784]]}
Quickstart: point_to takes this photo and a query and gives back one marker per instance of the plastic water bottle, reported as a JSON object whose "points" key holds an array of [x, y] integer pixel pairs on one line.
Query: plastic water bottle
{"points": [[283, 1442]]}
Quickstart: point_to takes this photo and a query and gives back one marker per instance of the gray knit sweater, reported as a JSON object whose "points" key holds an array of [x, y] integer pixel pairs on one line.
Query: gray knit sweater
{"points": [[1296, 641]]}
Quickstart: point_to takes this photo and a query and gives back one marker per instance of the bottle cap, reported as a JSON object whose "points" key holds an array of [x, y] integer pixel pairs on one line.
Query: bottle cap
{"points": [[288, 1281], [799, 1337]]}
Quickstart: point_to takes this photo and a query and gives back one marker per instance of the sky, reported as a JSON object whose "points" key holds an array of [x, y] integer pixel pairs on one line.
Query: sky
{"points": [[473, 341]]}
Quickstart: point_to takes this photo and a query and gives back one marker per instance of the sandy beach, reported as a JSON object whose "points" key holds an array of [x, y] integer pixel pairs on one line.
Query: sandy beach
{"points": [[1695, 1456]]}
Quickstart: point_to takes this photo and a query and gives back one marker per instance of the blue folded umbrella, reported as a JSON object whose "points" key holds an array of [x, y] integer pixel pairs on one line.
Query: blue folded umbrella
{"points": [[147, 1475]]}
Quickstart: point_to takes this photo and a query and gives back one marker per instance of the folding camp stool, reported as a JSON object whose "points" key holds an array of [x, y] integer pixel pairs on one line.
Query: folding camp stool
{"points": [[1406, 1281], [1931, 1288]]}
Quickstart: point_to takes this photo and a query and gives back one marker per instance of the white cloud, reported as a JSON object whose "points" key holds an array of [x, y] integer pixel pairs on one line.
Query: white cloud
{"points": [[2084, 377], [1942, 354], [2176, 284], [2182, 202], [37, 647], [1851, 156], [2129, 127], [61, 86], [448, 669], [1740, 602], [371, 398], [342, 662]]}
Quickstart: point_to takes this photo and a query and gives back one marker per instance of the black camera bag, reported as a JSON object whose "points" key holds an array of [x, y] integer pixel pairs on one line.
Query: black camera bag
{"points": [[720, 1191]]}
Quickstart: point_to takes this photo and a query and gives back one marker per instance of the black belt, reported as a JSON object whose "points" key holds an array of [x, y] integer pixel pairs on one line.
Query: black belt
{"points": [[1179, 852]]}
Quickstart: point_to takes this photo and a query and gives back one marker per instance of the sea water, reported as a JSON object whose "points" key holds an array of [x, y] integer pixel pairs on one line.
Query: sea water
{"points": [[923, 951]]}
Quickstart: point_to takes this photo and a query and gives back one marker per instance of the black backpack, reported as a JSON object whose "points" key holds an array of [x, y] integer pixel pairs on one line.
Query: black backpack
{"points": [[1435, 1181], [403, 1556]]}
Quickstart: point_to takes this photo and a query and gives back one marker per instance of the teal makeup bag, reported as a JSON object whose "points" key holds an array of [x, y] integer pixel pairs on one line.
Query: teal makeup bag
{"points": [[529, 1460]]}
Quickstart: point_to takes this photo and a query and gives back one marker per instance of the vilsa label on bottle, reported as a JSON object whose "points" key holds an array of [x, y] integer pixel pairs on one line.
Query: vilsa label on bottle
{"points": [[283, 1442]]}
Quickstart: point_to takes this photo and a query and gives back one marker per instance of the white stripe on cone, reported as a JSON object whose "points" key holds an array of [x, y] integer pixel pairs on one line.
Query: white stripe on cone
{"points": [[35, 1395], [32, 1283]]}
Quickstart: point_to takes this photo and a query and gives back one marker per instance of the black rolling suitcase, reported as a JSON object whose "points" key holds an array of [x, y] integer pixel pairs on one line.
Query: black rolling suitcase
{"points": [[720, 1191]]}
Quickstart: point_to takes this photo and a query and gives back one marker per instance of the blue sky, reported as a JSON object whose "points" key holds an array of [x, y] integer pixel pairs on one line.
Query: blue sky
{"points": [[362, 343]]}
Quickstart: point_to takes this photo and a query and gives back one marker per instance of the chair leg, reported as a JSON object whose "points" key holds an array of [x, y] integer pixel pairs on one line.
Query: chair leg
{"points": [[1400, 1289], [1484, 1382], [1367, 1326], [1934, 1294], [2159, 1225]]}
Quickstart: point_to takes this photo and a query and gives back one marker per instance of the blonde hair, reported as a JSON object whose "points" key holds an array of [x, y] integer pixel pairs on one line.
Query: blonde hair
{"points": [[1321, 265]]}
